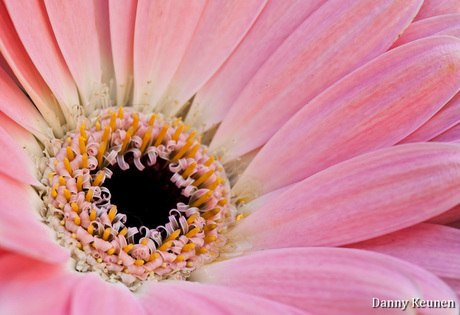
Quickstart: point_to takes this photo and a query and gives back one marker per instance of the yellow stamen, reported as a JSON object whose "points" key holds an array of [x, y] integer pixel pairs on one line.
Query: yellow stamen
{"points": [[99, 260], [192, 218], [128, 135], [239, 217], [98, 126], [179, 258], [186, 127], [51, 174], [193, 151], [209, 162], [91, 229], [202, 199], [120, 112], [110, 251], [100, 152], [209, 227], [82, 145], [73, 235], [188, 247], [146, 138], [209, 214], [62, 181], [201, 251], [192, 232], [70, 154], [190, 264], [191, 136], [79, 182], [139, 262], [222, 202], [113, 121], [112, 213], [62, 222], [106, 234], [99, 178], [92, 215], [215, 184], [165, 246], [182, 151], [152, 120], [123, 232], [154, 256], [75, 207], [203, 178], [89, 195], [177, 121], [128, 247], [56, 162], [83, 132], [54, 191], [67, 166], [67, 194], [105, 135], [84, 160], [135, 122], [177, 133], [145, 241], [161, 135], [79, 246], [209, 239], [125, 270], [173, 235], [189, 170], [77, 220]]}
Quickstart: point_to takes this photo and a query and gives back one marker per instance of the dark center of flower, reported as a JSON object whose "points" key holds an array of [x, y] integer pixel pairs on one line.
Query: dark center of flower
{"points": [[137, 197]]}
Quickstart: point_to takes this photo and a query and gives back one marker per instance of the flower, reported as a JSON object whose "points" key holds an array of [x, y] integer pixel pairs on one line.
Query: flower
{"points": [[305, 103]]}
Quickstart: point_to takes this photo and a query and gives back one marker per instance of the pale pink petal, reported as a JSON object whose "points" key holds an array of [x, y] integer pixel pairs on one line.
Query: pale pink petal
{"points": [[374, 107], [335, 40], [25, 71], [15, 162], [14, 104], [74, 25], [30, 286], [450, 135], [276, 22], [447, 117], [365, 197], [21, 229], [93, 296], [122, 19], [438, 7], [328, 280], [435, 248], [222, 26], [34, 29], [4, 64], [185, 297], [447, 217], [439, 25], [163, 31]]}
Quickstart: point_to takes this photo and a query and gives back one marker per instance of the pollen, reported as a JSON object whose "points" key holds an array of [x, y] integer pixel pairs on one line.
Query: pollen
{"points": [[138, 194]]}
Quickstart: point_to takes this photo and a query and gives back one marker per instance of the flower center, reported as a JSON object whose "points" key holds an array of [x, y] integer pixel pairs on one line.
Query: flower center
{"points": [[137, 197]]}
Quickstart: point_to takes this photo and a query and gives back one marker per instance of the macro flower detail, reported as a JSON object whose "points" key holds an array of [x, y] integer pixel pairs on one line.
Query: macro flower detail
{"points": [[238, 157]]}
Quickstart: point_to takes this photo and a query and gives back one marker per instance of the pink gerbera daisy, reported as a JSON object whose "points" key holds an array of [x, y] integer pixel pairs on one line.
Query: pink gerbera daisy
{"points": [[229, 157]]}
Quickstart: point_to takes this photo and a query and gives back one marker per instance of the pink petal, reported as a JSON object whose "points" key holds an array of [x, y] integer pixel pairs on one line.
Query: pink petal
{"points": [[14, 52], [276, 22], [4, 64], [92, 295], [220, 29], [185, 297], [21, 229], [74, 25], [163, 31], [365, 197], [14, 104], [30, 286], [374, 107], [450, 135], [327, 280], [122, 19], [306, 65], [438, 25], [34, 29], [437, 7], [447, 217], [435, 248]]}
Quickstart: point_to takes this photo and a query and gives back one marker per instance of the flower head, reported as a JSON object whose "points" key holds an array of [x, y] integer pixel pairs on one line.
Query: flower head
{"points": [[211, 156]]}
